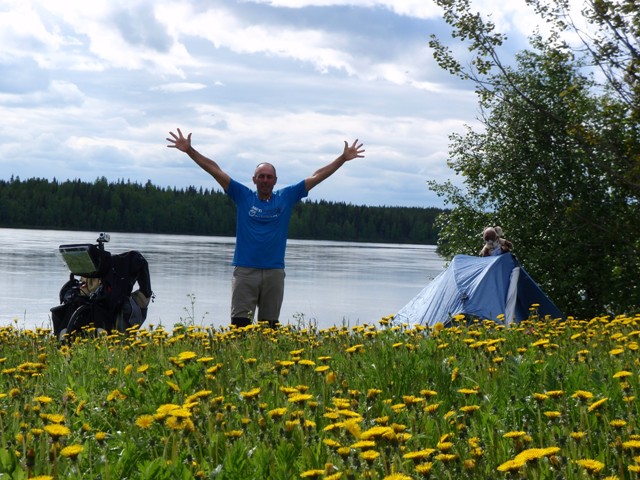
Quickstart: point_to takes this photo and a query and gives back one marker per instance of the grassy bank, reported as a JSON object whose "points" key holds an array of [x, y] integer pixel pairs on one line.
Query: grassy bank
{"points": [[541, 400]]}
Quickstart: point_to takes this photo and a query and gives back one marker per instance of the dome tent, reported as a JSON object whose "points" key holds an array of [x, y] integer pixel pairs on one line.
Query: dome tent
{"points": [[482, 287]]}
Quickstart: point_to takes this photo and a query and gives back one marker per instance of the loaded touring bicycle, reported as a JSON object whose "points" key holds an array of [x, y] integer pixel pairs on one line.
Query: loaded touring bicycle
{"points": [[99, 292]]}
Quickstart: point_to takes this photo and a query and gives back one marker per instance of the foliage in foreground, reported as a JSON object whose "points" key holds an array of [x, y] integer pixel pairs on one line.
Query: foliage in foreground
{"points": [[543, 399]]}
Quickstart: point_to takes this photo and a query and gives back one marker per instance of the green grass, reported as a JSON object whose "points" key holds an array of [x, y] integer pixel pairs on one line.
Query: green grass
{"points": [[540, 400]]}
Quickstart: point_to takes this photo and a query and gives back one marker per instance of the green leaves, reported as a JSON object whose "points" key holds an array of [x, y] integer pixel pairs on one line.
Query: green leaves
{"points": [[557, 164]]}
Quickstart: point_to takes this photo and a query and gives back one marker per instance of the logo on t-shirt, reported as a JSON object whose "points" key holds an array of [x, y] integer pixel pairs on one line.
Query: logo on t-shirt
{"points": [[257, 212]]}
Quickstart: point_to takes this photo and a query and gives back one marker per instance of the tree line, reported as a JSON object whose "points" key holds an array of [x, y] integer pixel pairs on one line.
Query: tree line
{"points": [[131, 207]]}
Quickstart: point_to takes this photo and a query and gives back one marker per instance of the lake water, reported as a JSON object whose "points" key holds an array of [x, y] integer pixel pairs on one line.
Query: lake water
{"points": [[330, 283]]}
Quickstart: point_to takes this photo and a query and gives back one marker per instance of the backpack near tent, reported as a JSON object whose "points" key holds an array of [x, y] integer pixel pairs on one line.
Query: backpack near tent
{"points": [[481, 287]]}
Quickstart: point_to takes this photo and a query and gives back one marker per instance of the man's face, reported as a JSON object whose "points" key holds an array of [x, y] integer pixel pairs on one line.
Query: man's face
{"points": [[265, 179]]}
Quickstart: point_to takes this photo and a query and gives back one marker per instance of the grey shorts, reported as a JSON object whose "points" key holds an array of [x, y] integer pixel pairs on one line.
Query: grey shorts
{"points": [[256, 288]]}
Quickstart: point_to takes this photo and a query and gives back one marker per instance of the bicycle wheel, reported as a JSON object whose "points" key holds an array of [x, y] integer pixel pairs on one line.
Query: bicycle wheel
{"points": [[79, 318]]}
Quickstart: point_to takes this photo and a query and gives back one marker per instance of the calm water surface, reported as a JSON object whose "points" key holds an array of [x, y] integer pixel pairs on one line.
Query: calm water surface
{"points": [[331, 283]]}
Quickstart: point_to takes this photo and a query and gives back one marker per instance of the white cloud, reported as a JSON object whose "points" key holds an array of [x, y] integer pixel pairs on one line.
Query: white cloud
{"points": [[96, 86], [179, 87]]}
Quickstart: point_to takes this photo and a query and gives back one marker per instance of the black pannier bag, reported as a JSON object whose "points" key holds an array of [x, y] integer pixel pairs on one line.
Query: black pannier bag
{"points": [[102, 297]]}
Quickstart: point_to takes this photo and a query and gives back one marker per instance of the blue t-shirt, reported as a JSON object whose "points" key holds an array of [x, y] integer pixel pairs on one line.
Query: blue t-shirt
{"points": [[262, 226]]}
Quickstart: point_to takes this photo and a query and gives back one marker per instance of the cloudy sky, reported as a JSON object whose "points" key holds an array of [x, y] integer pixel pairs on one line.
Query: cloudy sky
{"points": [[92, 88]]}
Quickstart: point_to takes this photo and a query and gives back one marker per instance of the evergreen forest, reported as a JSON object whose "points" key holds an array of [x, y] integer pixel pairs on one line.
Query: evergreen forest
{"points": [[124, 206]]}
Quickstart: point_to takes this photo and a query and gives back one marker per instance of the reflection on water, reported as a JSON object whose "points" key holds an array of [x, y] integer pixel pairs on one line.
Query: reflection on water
{"points": [[333, 283]]}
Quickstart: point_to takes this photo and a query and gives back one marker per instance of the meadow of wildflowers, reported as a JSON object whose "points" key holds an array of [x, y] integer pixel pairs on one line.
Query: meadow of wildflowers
{"points": [[542, 400]]}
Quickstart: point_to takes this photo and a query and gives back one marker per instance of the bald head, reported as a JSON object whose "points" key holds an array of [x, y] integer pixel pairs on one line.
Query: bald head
{"points": [[265, 165]]}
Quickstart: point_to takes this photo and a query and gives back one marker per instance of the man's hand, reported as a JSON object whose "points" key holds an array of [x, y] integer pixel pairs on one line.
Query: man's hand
{"points": [[351, 152], [184, 143]]}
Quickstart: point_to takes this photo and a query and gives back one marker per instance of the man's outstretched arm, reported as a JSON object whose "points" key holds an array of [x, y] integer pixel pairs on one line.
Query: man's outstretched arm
{"points": [[183, 144], [350, 152]]}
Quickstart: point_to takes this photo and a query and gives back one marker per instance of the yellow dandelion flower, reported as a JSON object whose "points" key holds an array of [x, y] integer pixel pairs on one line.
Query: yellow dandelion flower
{"points": [[353, 349], [115, 395], [382, 420], [373, 392], [72, 451], [536, 453], [577, 436], [424, 468], [467, 391], [369, 455], [290, 425], [56, 430], [444, 446], [449, 414], [591, 466], [432, 408], [631, 445], [618, 423], [553, 414], [334, 476], [299, 398], [322, 368], [582, 395], [622, 374], [344, 451], [163, 410], [514, 434], [511, 466], [446, 457], [234, 433], [362, 444], [616, 351], [41, 477], [469, 408], [329, 442], [312, 473], [276, 413], [142, 368], [185, 356], [52, 417], [100, 437], [173, 386], [373, 432], [419, 454], [43, 400], [597, 404], [397, 476], [144, 421], [251, 394], [289, 390], [555, 393], [179, 413]]}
